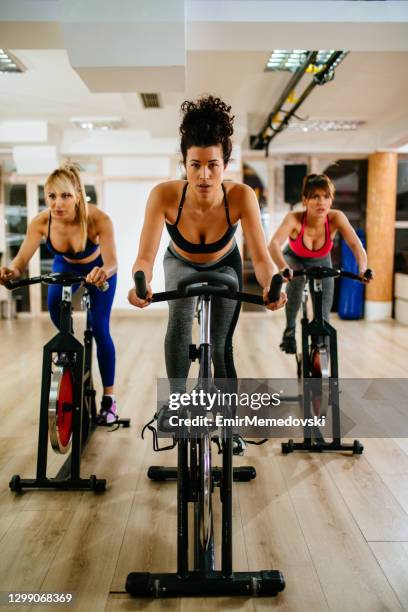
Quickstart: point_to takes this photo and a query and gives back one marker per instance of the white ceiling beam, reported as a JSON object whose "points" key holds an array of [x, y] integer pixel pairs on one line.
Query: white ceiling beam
{"points": [[266, 36], [131, 45], [284, 11], [23, 131]]}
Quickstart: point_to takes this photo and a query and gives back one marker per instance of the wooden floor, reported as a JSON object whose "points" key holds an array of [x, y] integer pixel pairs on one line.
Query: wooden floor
{"points": [[336, 526]]}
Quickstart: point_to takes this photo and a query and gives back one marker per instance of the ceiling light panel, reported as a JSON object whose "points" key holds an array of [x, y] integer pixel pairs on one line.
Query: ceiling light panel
{"points": [[8, 63], [97, 123], [326, 125], [290, 60]]}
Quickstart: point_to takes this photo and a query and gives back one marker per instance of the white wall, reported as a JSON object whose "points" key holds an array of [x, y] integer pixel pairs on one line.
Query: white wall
{"points": [[125, 202], [137, 167]]}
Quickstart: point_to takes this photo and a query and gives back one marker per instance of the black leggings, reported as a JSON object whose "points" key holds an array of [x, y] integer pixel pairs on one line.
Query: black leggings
{"points": [[224, 317]]}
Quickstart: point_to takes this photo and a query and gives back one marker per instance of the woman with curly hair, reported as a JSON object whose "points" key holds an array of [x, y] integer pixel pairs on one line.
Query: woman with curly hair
{"points": [[201, 215]]}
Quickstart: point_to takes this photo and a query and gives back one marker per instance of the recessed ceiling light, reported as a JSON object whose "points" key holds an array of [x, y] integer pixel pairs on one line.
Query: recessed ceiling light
{"points": [[325, 125], [97, 123]]}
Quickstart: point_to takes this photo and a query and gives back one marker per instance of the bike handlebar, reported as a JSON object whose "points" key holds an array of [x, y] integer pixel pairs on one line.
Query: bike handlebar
{"points": [[65, 278], [219, 284], [319, 272]]}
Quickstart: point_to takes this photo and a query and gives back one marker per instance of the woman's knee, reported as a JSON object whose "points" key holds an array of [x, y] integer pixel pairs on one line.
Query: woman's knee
{"points": [[101, 330]]}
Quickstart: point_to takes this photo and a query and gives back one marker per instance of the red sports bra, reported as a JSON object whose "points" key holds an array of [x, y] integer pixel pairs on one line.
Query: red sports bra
{"points": [[299, 248]]}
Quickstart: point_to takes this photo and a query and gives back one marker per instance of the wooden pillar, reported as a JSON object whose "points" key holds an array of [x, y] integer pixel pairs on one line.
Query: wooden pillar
{"points": [[380, 228]]}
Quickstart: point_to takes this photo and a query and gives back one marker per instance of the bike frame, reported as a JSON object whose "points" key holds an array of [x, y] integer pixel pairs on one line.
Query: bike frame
{"points": [[196, 478], [313, 332], [79, 360]]}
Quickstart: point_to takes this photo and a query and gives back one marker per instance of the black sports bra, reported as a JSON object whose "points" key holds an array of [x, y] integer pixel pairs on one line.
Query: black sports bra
{"points": [[202, 247], [90, 247]]}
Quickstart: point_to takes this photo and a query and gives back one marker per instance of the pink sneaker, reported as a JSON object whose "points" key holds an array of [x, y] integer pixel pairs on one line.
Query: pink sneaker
{"points": [[107, 414]]}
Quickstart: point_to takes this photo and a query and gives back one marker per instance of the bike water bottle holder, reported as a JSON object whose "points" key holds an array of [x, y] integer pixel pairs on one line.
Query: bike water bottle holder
{"points": [[152, 427]]}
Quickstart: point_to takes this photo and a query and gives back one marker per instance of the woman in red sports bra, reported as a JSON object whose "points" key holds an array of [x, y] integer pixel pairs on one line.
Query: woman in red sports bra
{"points": [[310, 240]]}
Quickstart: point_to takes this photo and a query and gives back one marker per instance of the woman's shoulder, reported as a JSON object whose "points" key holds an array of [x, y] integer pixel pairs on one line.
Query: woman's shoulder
{"points": [[170, 188], [294, 218], [94, 211], [95, 214], [40, 222], [97, 219], [237, 190], [168, 192], [240, 197], [336, 217]]}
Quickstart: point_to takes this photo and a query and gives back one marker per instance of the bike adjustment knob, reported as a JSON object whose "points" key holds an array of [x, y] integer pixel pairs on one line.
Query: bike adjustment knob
{"points": [[193, 352]]}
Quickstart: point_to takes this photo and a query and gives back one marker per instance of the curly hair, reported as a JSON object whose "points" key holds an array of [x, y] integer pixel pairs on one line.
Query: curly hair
{"points": [[206, 122]]}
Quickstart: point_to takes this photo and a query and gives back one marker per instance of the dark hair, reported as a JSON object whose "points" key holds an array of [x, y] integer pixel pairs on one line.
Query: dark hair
{"points": [[311, 182], [206, 122]]}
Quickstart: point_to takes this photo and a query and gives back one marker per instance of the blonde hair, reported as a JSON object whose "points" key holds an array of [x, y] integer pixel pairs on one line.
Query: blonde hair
{"points": [[68, 175]]}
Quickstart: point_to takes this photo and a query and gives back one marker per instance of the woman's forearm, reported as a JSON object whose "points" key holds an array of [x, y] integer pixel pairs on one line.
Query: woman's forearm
{"points": [[17, 265], [145, 266], [275, 251], [264, 270], [361, 257], [110, 267]]}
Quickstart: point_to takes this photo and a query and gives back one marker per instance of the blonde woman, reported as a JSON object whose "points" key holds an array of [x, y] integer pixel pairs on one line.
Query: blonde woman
{"points": [[80, 236]]}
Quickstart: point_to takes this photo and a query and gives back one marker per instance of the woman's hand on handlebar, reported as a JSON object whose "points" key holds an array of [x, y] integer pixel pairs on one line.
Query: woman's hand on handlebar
{"points": [[137, 301], [366, 275], [97, 276], [287, 274], [274, 305], [8, 274]]}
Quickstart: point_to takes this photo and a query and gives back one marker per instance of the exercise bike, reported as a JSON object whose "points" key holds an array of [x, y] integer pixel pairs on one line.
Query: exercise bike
{"points": [[317, 367], [196, 478], [67, 405]]}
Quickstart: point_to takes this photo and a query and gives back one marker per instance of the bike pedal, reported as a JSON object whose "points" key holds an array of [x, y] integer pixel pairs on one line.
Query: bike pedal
{"points": [[238, 446]]}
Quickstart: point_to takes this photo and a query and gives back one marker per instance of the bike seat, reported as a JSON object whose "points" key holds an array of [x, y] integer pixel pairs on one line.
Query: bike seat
{"points": [[215, 280]]}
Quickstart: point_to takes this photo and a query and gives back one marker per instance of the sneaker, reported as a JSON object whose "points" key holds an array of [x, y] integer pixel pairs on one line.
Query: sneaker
{"points": [[238, 445], [107, 414], [288, 344]]}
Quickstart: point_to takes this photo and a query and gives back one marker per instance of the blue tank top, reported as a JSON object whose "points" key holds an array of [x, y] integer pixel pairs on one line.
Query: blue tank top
{"points": [[202, 247], [90, 247]]}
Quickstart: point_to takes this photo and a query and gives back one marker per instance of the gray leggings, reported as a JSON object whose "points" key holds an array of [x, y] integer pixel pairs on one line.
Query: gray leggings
{"points": [[224, 317], [294, 288]]}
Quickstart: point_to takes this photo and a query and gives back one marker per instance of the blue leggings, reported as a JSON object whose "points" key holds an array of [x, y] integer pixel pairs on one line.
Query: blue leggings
{"points": [[101, 305]]}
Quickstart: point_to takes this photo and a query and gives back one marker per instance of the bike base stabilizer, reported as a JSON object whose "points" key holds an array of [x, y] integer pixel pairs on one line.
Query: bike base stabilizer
{"points": [[251, 584]]}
